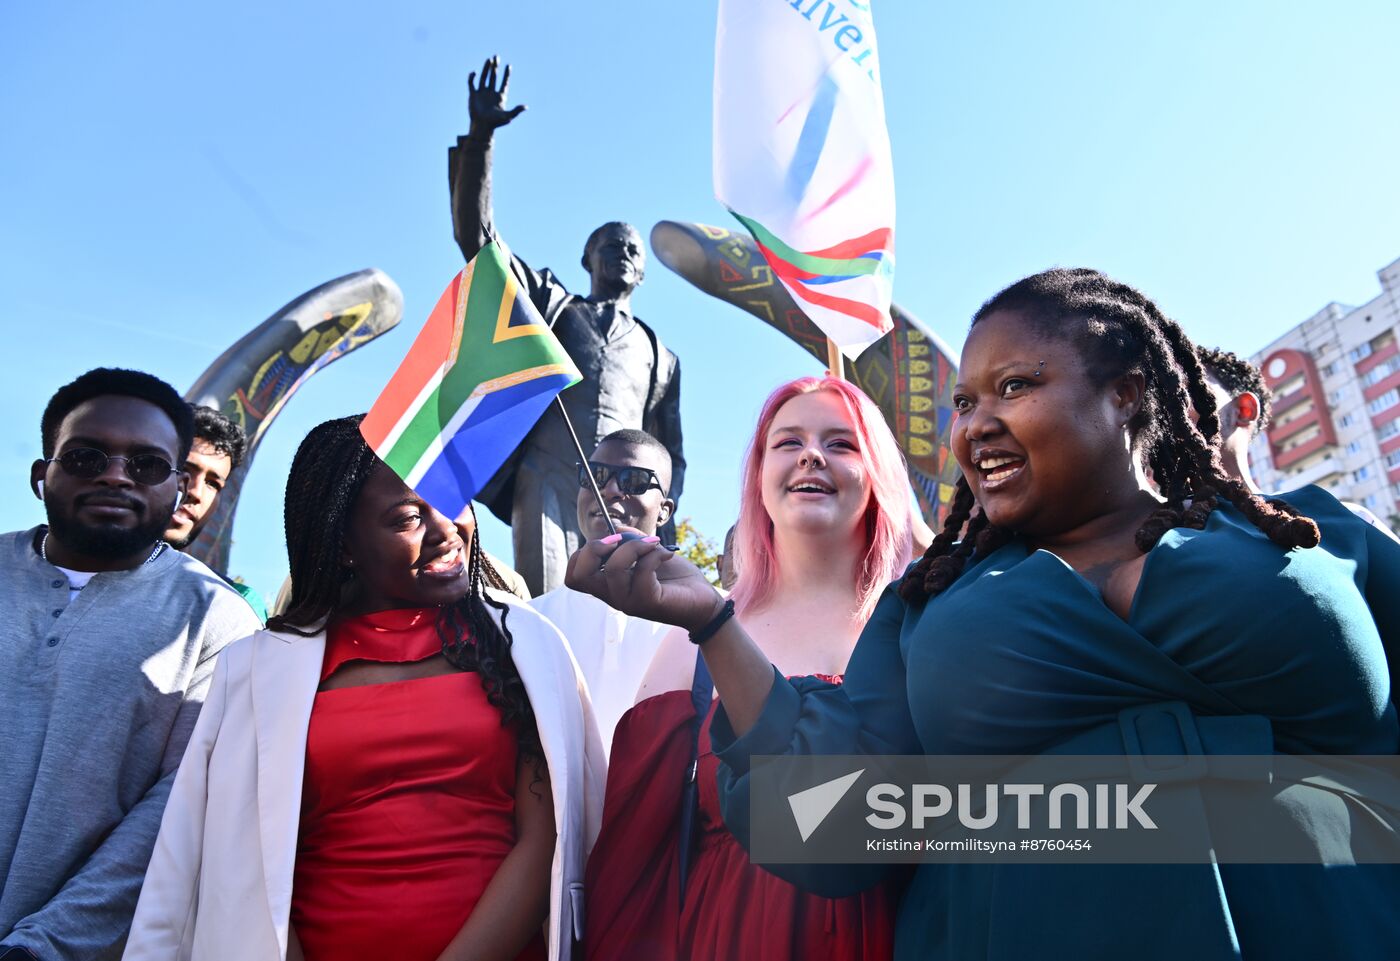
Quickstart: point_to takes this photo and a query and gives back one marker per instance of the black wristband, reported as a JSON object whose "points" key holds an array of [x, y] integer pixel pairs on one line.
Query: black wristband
{"points": [[716, 622], [17, 954]]}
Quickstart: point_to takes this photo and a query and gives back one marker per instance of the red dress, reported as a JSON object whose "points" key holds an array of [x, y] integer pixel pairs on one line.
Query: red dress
{"points": [[733, 909], [408, 804]]}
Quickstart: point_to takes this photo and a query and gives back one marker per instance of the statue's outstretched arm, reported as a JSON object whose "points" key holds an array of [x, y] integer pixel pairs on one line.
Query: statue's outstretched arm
{"points": [[469, 163]]}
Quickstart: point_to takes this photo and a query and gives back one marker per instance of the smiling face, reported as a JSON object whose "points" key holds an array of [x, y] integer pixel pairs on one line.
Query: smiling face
{"points": [[645, 511], [208, 469], [110, 516], [1042, 447], [813, 479], [401, 551]]}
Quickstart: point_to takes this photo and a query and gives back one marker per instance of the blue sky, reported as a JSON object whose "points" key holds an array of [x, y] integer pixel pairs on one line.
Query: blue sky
{"points": [[172, 173]]}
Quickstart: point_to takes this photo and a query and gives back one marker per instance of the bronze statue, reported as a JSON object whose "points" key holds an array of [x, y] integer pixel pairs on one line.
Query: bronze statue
{"points": [[629, 379]]}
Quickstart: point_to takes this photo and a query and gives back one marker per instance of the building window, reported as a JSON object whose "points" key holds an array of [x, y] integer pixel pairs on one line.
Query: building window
{"points": [[1389, 429], [1335, 397], [1386, 400], [1354, 447], [1380, 372], [1393, 459], [1347, 420], [1359, 353], [1372, 501], [1360, 474]]}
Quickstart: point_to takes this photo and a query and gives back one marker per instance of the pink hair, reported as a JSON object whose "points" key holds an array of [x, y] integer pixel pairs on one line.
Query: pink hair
{"points": [[888, 520]]}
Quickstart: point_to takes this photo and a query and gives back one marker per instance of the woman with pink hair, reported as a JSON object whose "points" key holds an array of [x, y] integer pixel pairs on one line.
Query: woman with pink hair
{"points": [[824, 526]]}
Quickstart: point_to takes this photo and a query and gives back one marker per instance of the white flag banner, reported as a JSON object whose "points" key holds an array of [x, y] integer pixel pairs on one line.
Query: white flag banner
{"points": [[802, 156]]}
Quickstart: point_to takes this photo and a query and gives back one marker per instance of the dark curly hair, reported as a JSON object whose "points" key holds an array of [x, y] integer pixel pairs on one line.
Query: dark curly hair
{"points": [[1118, 332], [328, 472], [119, 382], [1238, 376], [220, 433]]}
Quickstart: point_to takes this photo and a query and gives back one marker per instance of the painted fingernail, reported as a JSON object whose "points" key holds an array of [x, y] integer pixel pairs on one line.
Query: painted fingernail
{"points": [[610, 539], [651, 540]]}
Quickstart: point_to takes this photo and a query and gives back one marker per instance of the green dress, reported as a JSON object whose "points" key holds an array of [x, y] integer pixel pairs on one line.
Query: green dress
{"points": [[1271, 651]]}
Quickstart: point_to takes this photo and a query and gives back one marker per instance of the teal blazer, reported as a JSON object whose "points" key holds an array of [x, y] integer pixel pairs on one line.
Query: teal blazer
{"points": [[1271, 651]]}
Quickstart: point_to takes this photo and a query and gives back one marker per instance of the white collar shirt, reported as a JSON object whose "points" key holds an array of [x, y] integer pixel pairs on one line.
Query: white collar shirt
{"points": [[613, 650]]}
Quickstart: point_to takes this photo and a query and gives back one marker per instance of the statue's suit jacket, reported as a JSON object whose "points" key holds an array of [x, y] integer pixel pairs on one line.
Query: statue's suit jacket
{"points": [[219, 886]]}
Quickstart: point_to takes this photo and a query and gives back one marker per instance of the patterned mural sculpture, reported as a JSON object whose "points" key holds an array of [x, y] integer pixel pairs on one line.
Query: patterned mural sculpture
{"points": [[909, 372], [254, 379]]}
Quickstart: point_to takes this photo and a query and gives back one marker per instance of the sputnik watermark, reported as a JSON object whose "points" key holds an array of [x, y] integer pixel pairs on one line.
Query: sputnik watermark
{"points": [[928, 802], [810, 807], [1111, 804], [1105, 809]]}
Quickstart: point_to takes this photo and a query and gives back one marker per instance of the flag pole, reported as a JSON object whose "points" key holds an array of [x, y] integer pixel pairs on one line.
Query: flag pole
{"points": [[834, 360], [583, 459]]}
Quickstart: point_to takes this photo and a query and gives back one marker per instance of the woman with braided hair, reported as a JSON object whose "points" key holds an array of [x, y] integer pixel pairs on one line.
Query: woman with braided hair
{"points": [[401, 766], [1067, 608]]}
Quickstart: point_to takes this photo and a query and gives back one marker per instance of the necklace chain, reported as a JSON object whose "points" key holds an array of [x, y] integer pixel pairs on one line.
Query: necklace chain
{"points": [[44, 550]]}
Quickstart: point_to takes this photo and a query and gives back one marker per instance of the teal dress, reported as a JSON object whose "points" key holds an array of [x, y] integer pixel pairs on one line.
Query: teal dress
{"points": [[1271, 651]]}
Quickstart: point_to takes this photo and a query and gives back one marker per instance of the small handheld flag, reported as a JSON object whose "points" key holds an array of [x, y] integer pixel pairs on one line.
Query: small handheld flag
{"points": [[802, 157], [481, 372]]}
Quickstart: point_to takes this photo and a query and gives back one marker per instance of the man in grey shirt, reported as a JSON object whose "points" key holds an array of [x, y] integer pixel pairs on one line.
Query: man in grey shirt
{"points": [[107, 647]]}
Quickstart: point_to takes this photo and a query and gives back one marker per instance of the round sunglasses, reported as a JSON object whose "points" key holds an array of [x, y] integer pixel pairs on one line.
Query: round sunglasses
{"points": [[630, 480], [89, 462]]}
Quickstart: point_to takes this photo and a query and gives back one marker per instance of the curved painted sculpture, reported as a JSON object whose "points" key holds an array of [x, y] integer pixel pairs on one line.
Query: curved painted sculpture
{"points": [[909, 373], [253, 379]]}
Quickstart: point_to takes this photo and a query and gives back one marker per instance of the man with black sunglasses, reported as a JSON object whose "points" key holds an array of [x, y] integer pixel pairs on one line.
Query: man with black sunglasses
{"points": [[107, 648], [633, 472]]}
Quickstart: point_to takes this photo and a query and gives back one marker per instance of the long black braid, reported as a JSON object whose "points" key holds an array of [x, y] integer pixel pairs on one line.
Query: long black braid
{"points": [[1119, 332], [328, 473]]}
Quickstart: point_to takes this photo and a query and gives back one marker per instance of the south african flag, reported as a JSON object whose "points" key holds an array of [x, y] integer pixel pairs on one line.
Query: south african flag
{"points": [[478, 377]]}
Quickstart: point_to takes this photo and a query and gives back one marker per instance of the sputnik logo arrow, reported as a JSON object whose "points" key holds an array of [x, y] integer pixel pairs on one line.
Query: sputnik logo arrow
{"points": [[810, 807]]}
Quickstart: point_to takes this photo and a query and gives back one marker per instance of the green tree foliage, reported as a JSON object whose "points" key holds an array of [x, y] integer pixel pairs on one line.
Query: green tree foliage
{"points": [[698, 549]]}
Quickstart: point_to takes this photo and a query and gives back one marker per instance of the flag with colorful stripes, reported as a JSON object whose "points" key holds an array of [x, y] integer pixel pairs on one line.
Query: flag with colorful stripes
{"points": [[478, 377], [802, 156]]}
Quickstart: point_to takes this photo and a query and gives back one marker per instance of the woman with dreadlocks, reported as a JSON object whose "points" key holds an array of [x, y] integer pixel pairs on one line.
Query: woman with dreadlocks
{"points": [[1065, 608], [400, 766]]}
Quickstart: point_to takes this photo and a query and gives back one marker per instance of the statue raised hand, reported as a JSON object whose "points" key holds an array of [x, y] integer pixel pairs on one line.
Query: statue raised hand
{"points": [[486, 103]]}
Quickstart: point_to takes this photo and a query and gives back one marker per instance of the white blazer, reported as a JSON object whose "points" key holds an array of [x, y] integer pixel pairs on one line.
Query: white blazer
{"points": [[219, 885]]}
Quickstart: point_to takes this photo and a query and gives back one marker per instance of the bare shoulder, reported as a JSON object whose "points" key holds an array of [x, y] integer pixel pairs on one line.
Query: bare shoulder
{"points": [[672, 666]]}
